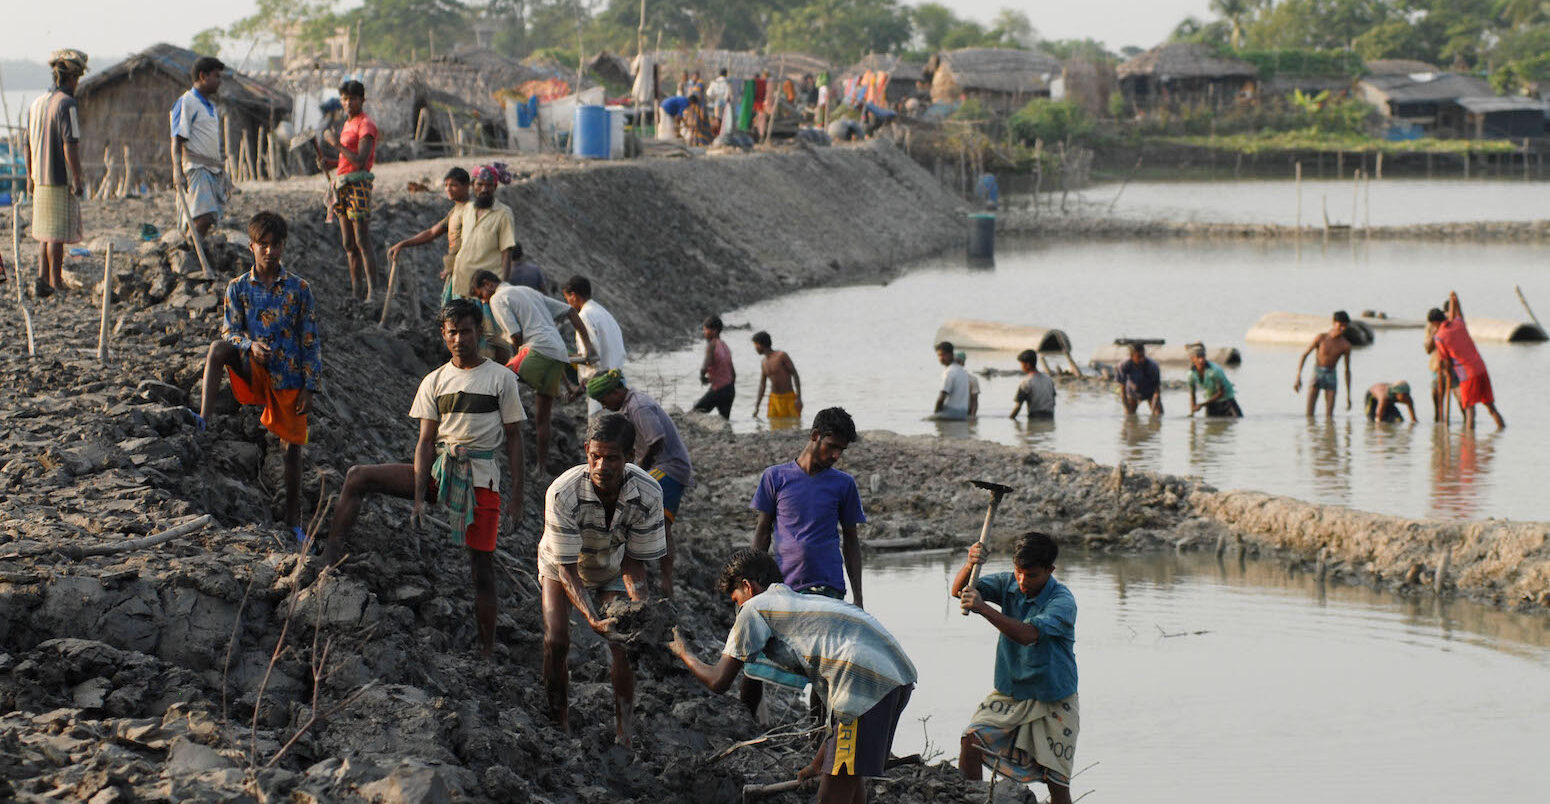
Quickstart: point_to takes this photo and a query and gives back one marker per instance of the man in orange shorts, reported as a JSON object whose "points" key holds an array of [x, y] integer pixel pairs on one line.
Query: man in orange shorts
{"points": [[467, 408], [271, 350]]}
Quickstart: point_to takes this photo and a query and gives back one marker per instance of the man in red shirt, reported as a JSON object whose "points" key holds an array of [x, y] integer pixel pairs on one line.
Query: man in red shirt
{"points": [[1459, 356], [357, 144]]}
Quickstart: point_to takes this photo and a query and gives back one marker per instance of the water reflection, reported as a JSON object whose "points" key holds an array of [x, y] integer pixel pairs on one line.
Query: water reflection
{"points": [[1137, 436], [1460, 461], [1212, 442], [1037, 432], [1329, 451]]}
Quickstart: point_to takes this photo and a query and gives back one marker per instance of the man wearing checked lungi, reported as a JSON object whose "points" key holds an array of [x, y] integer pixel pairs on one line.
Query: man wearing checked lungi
{"points": [[467, 409], [1026, 729], [198, 165]]}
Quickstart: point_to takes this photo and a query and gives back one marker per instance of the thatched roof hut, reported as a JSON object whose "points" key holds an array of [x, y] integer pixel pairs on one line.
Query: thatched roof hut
{"points": [[1002, 79], [1088, 83], [1181, 74], [128, 103], [1400, 67]]}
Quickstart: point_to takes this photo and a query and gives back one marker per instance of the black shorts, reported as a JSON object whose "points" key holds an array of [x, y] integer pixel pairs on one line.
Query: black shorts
{"points": [[860, 748], [1226, 407], [719, 400]]}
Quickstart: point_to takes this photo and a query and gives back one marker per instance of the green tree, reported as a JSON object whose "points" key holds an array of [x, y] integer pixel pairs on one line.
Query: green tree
{"points": [[933, 22], [1051, 121], [1235, 12], [1012, 28], [841, 31], [396, 30], [207, 42], [1318, 24], [273, 20], [1087, 49]]}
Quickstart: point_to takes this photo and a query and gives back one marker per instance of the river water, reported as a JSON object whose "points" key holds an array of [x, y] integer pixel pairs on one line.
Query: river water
{"points": [[1240, 681], [869, 349]]}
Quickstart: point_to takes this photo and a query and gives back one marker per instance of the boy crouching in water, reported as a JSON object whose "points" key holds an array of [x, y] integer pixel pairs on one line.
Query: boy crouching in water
{"points": [[1026, 729]]}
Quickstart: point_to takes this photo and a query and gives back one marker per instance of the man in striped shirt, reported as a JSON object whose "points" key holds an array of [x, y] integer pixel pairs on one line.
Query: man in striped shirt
{"points": [[602, 522], [841, 649], [54, 178]]}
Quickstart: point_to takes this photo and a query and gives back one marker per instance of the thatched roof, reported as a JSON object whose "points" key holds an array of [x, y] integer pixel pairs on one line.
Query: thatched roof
{"points": [[738, 63], [1439, 87], [1400, 67], [1185, 60], [998, 69], [239, 91]]}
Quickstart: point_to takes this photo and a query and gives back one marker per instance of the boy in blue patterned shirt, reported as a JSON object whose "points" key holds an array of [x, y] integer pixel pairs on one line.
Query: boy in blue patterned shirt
{"points": [[1026, 729], [271, 350]]}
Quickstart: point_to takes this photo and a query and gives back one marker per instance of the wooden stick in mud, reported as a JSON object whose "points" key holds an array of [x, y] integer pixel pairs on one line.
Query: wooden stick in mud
{"points": [[118, 547], [1299, 199], [387, 300], [226, 147], [16, 259], [107, 301], [753, 792], [1526, 308], [185, 214], [123, 187]]}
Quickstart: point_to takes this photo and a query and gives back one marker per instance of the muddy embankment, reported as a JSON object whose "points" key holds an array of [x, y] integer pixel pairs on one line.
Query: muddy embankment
{"points": [[218, 665]]}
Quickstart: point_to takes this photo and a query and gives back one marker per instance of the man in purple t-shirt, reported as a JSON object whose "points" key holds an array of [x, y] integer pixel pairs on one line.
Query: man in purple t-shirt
{"points": [[804, 508], [809, 510]]}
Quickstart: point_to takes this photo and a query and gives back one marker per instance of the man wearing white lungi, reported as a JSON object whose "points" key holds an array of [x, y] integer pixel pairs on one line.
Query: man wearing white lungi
{"points": [[54, 180]]}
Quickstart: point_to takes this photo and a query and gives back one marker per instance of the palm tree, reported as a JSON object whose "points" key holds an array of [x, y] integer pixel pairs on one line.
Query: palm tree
{"points": [[1234, 11]]}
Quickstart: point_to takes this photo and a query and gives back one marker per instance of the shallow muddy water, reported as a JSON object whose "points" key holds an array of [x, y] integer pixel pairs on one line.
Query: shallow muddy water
{"points": [[1228, 681], [869, 349], [1391, 202]]}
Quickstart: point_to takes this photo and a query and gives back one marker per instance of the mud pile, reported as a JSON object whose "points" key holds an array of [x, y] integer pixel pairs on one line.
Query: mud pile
{"points": [[220, 665]]}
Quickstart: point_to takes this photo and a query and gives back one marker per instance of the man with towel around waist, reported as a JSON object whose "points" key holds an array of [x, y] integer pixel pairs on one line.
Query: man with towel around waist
{"points": [[271, 349], [658, 449], [1331, 346], [1026, 729], [198, 166], [467, 409], [52, 139]]}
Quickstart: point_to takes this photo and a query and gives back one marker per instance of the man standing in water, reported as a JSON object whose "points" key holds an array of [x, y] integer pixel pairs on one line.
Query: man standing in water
{"points": [[777, 370], [1462, 363], [602, 521], [467, 409], [1027, 728], [717, 372], [1212, 381], [1331, 346], [1140, 380], [952, 403]]}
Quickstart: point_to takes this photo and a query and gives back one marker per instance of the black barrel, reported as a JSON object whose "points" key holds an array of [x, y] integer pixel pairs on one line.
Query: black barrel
{"points": [[982, 236]]}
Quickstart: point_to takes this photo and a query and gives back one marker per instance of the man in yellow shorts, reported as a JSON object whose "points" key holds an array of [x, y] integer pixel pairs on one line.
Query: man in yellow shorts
{"points": [[780, 374]]}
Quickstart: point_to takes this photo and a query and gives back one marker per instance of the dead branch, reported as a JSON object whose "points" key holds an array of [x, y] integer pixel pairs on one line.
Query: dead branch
{"points": [[235, 627], [78, 553]]}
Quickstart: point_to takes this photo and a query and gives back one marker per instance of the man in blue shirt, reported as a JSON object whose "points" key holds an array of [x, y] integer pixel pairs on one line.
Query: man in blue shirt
{"points": [[1027, 728], [1140, 380]]}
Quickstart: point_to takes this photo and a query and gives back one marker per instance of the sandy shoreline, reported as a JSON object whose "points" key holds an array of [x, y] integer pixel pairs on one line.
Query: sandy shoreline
{"points": [[145, 674]]}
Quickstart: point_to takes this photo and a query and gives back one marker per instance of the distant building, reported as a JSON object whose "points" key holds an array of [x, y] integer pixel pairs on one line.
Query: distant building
{"points": [[906, 79], [1444, 104], [1002, 79], [1180, 75], [129, 103]]}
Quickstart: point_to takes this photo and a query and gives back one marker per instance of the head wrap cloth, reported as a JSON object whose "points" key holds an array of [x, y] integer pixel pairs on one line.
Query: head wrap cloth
{"points": [[599, 386], [495, 171]]}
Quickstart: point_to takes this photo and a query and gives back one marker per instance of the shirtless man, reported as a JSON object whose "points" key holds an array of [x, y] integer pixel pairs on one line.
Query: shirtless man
{"points": [[1331, 346], [781, 374]]}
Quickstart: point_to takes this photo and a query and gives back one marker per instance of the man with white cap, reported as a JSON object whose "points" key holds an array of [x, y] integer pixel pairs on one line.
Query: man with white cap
{"points": [[54, 179]]}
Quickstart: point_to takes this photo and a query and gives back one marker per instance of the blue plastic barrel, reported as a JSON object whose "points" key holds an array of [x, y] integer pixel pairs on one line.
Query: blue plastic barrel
{"points": [[982, 236], [591, 132]]}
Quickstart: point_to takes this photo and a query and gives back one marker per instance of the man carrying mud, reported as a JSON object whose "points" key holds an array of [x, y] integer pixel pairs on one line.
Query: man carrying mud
{"points": [[780, 374], [467, 409], [1220, 399], [1331, 346], [456, 183], [527, 317], [862, 670], [271, 350], [658, 449], [602, 522], [1463, 368], [198, 166], [1026, 729]]}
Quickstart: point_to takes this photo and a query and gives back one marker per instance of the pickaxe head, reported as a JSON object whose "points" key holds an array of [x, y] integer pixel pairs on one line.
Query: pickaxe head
{"points": [[997, 491]]}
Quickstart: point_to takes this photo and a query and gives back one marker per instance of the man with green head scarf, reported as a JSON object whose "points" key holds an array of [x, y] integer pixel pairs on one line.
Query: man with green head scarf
{"points": [[658, 449]]}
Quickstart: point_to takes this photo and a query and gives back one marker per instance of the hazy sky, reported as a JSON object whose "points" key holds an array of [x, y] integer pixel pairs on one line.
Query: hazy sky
{"points": [[114, 28]]}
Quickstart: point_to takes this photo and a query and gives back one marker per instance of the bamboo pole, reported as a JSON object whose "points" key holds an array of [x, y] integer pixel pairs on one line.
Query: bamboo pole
{"points": [[185, 214], [123, 184], [107, 301], [387, 300], [244, 161], [452, 139], [1299, 199], [226, 151], [1356, 190], [16, 258]]}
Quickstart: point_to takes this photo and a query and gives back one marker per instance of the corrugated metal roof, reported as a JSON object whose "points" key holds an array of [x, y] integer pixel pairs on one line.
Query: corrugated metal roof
{"points": [[1430, 88], [1489, 105]]}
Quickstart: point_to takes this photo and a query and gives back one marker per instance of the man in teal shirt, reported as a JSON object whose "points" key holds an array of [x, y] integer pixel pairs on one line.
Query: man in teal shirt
{"points": [[1209, 377], [1027, 728]]}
